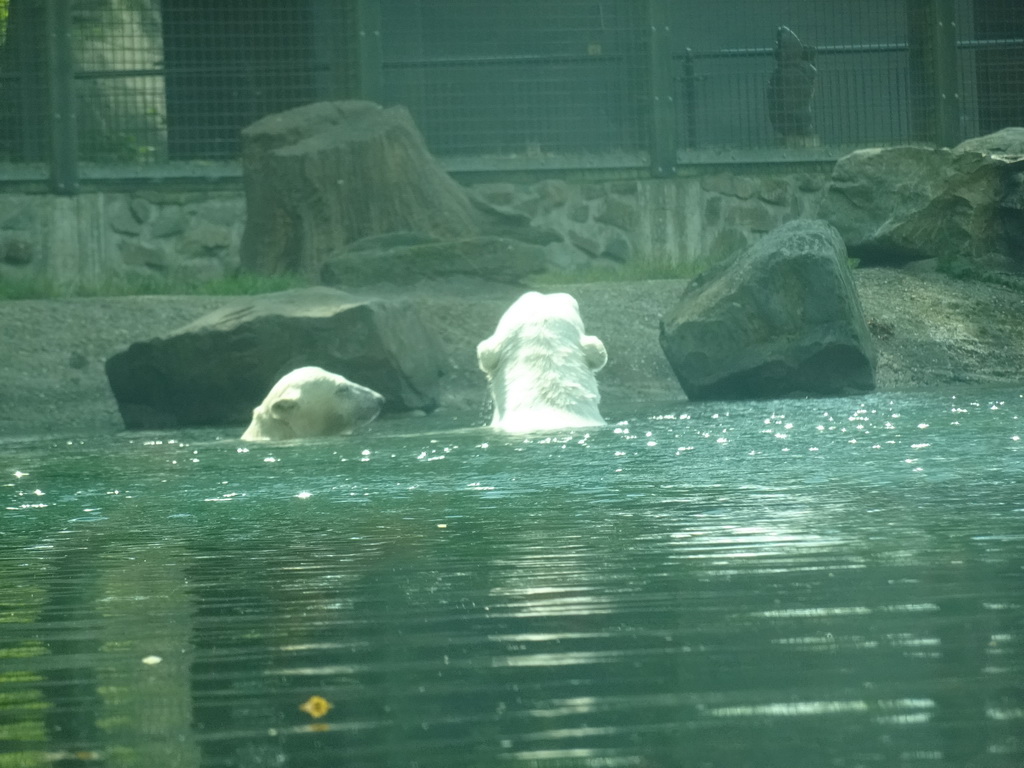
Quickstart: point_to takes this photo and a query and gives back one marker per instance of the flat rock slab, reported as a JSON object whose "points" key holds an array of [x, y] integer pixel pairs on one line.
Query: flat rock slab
{"points": [[488, 257], [214, 371], [894, 205]]}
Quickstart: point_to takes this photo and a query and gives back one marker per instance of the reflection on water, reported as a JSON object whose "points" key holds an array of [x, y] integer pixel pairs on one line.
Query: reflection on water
{"points": [[788, 583]]}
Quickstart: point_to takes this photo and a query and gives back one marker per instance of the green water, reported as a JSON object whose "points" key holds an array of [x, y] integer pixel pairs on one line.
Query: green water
{"points": [[787, 583]]}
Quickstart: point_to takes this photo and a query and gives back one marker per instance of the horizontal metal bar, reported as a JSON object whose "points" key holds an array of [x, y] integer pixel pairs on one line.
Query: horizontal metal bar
{"points": [[741, 53], [223, 69], [751, 53], [497, 61], [471, 61], [203, 170], [228, 173], [100, 74], [762, 155], [556, 162], [1013, 42]]}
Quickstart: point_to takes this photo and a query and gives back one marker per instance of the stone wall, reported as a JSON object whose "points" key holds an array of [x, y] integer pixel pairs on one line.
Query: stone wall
{"points": [[99, 238], [681, 224], [685, 223]]}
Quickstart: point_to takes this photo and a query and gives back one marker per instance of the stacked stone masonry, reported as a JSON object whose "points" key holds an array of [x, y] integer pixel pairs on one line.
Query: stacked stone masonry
{"points": [[675, 225]]}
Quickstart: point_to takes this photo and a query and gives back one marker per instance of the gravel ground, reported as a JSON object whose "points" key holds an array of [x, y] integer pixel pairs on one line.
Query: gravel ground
{"points": [[931, 331]]}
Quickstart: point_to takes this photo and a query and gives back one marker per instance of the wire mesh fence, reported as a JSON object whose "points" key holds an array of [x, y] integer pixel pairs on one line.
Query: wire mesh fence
{"points": [[120, 94], [23, 84], [227, 64], [991, 65], [525, 78], [842, 64], [492, 82]]}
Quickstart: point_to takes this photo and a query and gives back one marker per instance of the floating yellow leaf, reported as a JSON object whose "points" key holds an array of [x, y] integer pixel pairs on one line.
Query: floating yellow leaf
{"points": [[316, 706]]}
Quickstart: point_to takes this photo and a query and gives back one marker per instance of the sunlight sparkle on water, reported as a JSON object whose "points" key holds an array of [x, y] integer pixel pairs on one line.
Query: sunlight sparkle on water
{"points": [[577, 585]]}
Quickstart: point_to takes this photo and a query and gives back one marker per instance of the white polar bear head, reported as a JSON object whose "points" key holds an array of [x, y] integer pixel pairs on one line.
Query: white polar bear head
{"points": [[540, 366], [312, 402]]}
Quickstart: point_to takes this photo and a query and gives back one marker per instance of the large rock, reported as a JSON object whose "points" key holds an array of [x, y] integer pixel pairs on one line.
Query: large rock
{"points": [[782, 318], [215, 370], [901, 204]]}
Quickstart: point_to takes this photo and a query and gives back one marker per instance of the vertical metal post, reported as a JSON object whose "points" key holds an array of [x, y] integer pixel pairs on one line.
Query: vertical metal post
{"points": [[662, 88], [63, 121], [690, 99], [948, 105], [935, 85], [371, 56]]}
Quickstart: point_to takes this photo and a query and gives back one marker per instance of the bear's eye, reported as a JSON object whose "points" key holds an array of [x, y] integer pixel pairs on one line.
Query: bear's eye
{"points": [[342, 389]]}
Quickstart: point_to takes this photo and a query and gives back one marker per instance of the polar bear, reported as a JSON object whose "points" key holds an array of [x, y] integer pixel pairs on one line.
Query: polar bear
{"points": [[312, 402], [540, 366]]}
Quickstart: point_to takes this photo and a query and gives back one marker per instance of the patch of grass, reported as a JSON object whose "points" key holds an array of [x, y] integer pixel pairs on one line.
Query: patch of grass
{"points": [[250, 285], [626, 273], [138, 285], [27, 289]]}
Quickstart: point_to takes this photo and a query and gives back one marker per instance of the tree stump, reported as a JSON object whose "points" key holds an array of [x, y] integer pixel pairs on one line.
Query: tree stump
{"points": [[326, 174]]}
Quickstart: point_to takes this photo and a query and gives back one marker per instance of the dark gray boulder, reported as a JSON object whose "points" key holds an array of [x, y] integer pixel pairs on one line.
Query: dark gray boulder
{"points": [[215, 370], [899, 204], [782, 318]]}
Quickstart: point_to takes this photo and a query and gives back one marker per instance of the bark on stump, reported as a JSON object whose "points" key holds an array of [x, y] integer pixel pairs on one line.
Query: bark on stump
{"points": [[323, 175]]}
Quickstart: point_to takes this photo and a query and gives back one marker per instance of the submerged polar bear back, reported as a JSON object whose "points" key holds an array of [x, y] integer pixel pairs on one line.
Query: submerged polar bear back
{"points": [[313, 402], [540, 366]]}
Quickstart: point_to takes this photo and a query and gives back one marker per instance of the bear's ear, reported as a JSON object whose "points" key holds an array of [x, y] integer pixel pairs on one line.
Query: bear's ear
{"points": [[488, 355], [282, 407], [594, 352]]}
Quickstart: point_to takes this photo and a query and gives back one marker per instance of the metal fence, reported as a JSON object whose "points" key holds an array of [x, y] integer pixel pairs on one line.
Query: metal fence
{"points": [[108, 87]]}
